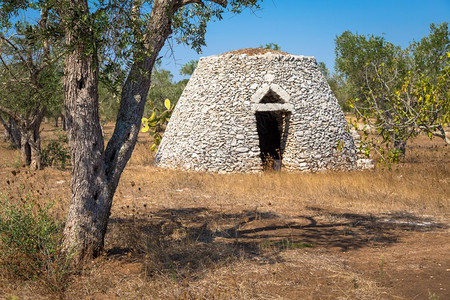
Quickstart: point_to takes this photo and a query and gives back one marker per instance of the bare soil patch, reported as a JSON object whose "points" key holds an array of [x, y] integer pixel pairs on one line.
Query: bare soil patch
{"points": [[381, 234]]}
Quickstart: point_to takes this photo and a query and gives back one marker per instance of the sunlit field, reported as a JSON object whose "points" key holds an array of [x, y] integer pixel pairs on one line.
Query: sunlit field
{"points": [[373, 234]]}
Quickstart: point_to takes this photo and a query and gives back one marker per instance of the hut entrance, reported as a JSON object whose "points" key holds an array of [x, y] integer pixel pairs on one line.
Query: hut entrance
{"points": [[272, 129]]}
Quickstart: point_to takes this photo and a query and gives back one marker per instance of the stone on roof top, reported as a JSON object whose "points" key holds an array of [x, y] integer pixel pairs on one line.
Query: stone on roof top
{"points": [[254, 51]]}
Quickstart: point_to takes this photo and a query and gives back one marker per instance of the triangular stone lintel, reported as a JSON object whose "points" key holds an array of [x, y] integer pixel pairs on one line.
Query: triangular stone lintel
{"points": [[265, 89]]}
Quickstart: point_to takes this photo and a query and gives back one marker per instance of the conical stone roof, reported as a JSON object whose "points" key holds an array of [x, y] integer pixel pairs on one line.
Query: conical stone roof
{"points": [[244, 110]]}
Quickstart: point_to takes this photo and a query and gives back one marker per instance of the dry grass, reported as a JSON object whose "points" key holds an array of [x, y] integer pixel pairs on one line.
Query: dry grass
{"points": [[186, 235], [421, 185]]}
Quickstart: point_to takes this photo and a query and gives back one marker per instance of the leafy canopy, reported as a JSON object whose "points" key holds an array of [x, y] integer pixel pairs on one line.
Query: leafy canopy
{"points": [[398, 93]]}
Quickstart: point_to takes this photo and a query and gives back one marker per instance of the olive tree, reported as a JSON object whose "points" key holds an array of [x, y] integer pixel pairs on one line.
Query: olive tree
{"points": [[30, 83], [132, 33], [399, 93]]}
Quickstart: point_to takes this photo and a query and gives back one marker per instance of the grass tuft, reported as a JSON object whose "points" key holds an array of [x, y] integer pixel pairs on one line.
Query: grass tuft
{"points": [[29, 244]]}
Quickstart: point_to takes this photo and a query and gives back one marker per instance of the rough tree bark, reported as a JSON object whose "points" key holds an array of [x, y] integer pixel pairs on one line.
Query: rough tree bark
{"points": [[90, 198]]}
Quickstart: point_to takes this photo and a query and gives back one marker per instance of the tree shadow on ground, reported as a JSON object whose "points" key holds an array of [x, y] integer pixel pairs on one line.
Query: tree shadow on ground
{"points": [[187, 240]]}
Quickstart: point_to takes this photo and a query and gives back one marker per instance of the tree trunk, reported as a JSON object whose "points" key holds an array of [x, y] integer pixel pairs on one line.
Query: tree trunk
{"points": [[95, 175], [63, 122], [12, 133], [90, 201], [36, 158], [25, 150], [400, 146], [31, 141], [6, 136]]}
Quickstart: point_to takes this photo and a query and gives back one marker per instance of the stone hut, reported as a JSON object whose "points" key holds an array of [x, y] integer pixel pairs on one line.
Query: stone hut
{"points": [[254, 109]]}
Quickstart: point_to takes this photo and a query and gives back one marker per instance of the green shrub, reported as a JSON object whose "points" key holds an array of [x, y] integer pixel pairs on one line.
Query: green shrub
{"points": [[56, 154], [29, 243]]}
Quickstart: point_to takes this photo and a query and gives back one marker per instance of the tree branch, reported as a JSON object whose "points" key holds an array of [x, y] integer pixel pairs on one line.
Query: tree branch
{"points": [[443, 135], [7, 68], [25, 61], [10, 113], [4, 123], [180, 3]]}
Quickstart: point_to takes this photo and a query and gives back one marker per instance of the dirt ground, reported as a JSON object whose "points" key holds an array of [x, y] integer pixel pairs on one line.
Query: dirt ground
{"points": [[381, 234]]}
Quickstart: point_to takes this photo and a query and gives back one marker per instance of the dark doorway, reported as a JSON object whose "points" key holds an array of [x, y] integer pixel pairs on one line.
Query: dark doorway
{"points": [[271, 97], [272, 128]]}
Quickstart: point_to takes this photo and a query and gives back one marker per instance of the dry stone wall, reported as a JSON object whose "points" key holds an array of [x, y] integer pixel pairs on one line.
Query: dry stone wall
{"points": [[214, 125]]}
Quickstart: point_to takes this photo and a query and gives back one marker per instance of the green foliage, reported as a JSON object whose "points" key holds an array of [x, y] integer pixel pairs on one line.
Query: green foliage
{"points": [[117, 32], [56, 153], [29, 243], [190, 21], [109, 103], [323, 69], [397, 93], [163, 88], [432, 296], [285, 244], [189, 68], [340, 145], [157, 122], [159, 107], [356, 56], [270, 46], [337, 85], [111, 78], [9, 9], [429, 52], [31, 76]]}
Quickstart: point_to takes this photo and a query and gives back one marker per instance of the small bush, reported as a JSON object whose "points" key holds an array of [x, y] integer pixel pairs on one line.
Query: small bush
{"points": [[56, 154], [29, 244]]}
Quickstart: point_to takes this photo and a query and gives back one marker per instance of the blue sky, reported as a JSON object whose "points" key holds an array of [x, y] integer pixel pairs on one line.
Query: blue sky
{"points": [[310, 27]]}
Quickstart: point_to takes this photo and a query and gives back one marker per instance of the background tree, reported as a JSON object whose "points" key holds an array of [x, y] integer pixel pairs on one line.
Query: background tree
{"points": [[357, 54], [163, 87], [112, 75], [270, 46], [357, 60], [12, 133], [189, 68], [429, 53], [337, 85], [30, 83], [399, 93]]}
